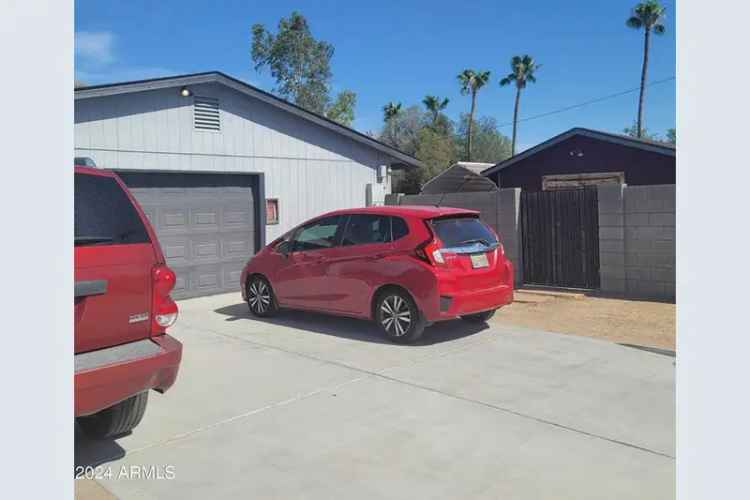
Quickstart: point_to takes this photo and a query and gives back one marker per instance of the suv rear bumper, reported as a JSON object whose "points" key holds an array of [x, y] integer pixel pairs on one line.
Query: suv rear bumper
{"points": [[107, 376]]}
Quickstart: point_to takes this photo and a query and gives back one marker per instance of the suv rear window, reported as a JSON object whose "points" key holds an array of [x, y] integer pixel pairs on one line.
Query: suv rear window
{"points": [[104, 214], [461, 231]]}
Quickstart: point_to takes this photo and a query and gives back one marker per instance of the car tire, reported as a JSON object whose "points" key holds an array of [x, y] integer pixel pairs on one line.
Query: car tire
{"points": [[398, 317], [260, 297], [115, 420], [481, 317]]}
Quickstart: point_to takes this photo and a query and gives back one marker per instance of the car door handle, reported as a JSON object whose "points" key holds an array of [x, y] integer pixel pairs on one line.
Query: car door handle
{"points": [[376, 256], [90, 287]]}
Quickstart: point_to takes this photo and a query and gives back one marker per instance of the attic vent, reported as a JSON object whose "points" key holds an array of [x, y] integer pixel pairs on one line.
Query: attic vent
{"points": [[206, 113]]}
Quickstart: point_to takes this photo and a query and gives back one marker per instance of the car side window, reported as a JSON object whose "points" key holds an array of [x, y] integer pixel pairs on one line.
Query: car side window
{"points": [[317, 235], [367, 228], [399, 229]]}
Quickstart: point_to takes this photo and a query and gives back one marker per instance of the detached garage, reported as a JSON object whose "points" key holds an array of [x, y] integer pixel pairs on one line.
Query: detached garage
{"points": [[221, 167]]}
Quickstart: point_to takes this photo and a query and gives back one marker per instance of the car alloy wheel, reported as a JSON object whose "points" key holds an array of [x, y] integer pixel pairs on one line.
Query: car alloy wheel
{"points": [[395, 316], [260, 297]]}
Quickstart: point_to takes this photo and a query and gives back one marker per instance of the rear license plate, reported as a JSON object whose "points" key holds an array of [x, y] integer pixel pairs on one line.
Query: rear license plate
{"points": [[479, 260]]}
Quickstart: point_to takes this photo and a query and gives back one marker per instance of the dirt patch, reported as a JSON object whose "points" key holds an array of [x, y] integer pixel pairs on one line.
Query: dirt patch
{"points": [[624, 321]]}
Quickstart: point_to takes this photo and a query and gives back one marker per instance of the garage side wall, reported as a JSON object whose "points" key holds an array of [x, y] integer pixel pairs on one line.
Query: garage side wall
{"points": [[309, 169]]}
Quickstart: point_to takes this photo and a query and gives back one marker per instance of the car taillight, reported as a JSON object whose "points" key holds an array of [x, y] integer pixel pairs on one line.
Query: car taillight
{"points": [[164, 309], [433, 250], [429, 251]]}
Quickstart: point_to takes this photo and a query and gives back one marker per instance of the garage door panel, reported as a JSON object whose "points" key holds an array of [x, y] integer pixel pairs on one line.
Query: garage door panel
{"points": [[172, 220], [182, 285], [205, 224], [231, 275], [206, 279], [238, 245], [205, 218], [236, 217], [176, 249], [205, 249]]}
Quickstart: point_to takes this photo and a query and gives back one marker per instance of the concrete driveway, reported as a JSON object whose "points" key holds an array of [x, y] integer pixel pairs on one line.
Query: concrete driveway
{"points": [[311, 406]]}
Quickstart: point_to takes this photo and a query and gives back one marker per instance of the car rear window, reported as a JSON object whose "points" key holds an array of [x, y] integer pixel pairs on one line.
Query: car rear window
{"points": [[460, 231], [104, 214]]}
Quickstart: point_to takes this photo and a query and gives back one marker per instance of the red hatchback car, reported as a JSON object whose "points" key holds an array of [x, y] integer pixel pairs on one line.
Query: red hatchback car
{"points": [[122, 307], [402, 266]]}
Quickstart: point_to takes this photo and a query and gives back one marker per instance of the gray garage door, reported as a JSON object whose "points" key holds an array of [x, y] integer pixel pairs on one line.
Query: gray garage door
{"points": [[206, 224]]}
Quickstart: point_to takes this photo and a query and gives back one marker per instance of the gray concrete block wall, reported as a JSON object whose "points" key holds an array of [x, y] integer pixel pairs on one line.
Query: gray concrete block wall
{"points": [[500, 209], [650, 241], [637, 240], [612, 238]]}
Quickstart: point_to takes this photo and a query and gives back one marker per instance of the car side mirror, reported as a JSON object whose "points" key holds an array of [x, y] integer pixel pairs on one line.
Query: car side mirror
{"points": [[284, 248]]}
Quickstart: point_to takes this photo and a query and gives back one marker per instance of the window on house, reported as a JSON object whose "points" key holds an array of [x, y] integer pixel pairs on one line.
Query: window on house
{"points": [[272, 211], [206, 113]]}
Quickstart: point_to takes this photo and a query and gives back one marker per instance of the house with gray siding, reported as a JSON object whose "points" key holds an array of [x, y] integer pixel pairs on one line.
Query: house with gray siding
{"points": [[208, 156]]}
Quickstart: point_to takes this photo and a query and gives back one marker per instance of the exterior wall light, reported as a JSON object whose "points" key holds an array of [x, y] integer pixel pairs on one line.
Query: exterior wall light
{"points": [[185, 92]]}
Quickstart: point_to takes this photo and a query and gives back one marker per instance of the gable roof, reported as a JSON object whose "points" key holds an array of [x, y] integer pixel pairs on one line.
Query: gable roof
{"points": [[474, 166], [247, 89], [459, 178], [623, 140]]}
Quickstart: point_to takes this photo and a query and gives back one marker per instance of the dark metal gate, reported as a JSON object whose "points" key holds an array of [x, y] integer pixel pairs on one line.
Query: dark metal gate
{"points": [[560, 238]]}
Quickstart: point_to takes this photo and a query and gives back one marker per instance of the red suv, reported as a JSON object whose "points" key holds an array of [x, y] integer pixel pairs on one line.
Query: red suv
{"points": [[401, 266], [122, 307]]}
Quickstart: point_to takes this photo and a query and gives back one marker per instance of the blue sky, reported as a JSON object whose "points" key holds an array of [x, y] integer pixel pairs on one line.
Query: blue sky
{"points": [[403, 50]]}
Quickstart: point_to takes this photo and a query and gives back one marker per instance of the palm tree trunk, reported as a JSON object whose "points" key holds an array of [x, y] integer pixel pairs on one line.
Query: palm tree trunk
{"points": [[644, 70], [515, 121], [471, 125]]}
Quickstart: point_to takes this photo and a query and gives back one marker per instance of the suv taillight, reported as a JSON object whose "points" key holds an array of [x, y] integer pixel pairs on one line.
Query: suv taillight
{"points": [[163, 309]]}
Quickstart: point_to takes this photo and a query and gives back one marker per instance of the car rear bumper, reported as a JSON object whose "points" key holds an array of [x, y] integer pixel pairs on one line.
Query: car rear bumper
{"points": [[455, 304], [107, 376]]}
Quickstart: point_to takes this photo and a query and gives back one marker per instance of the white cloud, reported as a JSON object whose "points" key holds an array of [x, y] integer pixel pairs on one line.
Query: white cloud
{"points": [[96, 47]]}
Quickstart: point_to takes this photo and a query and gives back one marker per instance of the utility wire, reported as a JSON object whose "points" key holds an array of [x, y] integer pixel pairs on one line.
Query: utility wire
{"points": [[586, 103]]}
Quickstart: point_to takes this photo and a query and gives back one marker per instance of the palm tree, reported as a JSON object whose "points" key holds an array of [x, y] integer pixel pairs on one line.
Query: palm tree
{"points": [[390, 113], [648, 15], [434, 105], [471, 81], [522, 71]]}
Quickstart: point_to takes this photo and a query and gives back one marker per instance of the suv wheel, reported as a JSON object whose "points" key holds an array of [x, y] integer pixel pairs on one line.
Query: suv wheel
{"points": [[481, 317], [115, 420], [398, 317], [260, 297]]}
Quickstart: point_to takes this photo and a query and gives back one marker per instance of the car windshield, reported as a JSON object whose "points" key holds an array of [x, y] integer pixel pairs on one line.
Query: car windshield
{"points": [[463, 231]]}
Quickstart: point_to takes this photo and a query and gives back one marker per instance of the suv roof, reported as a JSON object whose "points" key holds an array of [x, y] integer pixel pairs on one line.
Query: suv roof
{"points": [[421, 211]]}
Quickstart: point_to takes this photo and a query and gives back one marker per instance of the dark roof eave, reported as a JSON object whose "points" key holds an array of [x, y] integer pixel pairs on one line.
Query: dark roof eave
{"points": [[624, 140], [402, 158]]}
